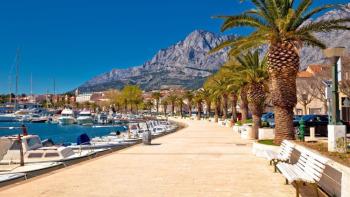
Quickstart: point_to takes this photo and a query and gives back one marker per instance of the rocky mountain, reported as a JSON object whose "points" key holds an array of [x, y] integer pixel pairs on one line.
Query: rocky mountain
{"points": [[187, 64]]}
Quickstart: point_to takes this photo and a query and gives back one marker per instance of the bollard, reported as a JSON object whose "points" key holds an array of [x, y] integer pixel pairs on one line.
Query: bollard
{"points": [[147, 137]]}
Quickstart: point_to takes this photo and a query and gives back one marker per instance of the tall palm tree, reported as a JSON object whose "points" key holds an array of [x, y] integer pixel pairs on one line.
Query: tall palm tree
{"points": [[205, 93], [198, 100], [189, 96], [222, 80], [180, 104], [253, 72], [165, 104], [284, 27], [156, 96], [172, 100], [215, 94]]}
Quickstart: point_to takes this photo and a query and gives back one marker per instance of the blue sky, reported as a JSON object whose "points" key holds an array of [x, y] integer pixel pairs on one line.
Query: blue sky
{"points": [[74, 40]]}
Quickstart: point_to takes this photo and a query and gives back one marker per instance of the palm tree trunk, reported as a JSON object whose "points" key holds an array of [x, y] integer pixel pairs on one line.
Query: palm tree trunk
{"points": [[165, 106], [190, 109], [199, 108], [283, 66], [234, 109], [225, 106], [208, 109], [172, 108], [181, 114], [216, 116], [244, 105]]}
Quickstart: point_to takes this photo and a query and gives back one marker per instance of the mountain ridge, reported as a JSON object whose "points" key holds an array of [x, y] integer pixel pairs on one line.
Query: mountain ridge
{"points": [[187, 64]]}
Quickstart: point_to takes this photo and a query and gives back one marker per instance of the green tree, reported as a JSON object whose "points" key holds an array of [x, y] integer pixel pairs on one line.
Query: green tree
{"points": [[198, 100], [165, 103], [156, 96], [285, 27], [180, 103], [253, 72], [189, 97], [172, 100], [132, 95]]}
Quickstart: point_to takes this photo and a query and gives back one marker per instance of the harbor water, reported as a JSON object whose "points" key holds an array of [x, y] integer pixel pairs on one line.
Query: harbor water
{"points": [[59, 133]]}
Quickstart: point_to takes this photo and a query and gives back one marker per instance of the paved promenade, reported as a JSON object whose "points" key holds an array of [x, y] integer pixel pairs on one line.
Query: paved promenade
{"points": [[200, 160]]}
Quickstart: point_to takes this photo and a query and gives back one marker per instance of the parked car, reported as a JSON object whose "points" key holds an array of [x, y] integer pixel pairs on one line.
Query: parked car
{"points": [[320, 123], [268, 119]]}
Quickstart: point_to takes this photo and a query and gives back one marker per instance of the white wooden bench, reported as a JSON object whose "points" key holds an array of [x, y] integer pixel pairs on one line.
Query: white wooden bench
{"points": [[308, 169], [283, 155]]}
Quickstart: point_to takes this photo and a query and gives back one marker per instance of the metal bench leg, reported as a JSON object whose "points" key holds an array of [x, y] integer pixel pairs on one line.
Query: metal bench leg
{"points": [[286, 181]]}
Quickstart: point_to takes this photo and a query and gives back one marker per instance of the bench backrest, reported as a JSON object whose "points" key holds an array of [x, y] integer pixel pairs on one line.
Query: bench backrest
{"points": [[312, 164], [286, 149]]}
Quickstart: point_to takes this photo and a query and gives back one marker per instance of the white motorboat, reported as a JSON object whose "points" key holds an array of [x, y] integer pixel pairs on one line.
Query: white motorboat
{"points": [[8, 178], [67, 117], [36, 118], [102, 118], [99, 143], [85, 118], [8, 117], [29, 167], [34, 151]]}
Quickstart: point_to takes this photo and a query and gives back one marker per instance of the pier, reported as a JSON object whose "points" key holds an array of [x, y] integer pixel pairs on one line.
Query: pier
{"points": [[202, 159]]}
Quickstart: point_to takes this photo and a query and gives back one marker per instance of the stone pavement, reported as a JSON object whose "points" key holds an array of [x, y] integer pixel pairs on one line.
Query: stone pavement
{"points": [[202, 159]]}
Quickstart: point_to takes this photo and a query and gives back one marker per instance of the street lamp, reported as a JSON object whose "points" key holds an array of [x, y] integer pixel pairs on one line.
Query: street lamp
{"points": [[336, 131], [333, 54]]}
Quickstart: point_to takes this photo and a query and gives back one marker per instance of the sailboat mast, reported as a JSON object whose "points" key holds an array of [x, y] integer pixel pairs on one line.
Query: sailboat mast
{"points": [[17, 77], [31, 86]]}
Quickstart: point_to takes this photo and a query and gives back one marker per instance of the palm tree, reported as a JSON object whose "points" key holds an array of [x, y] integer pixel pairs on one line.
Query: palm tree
{"points": [[172, 100], [165, 103], [222, 80], [198, 99], [253, 72], [205, 93], [215, 94], [156, 96], [284, 27], [189, 96], [180, 103]]}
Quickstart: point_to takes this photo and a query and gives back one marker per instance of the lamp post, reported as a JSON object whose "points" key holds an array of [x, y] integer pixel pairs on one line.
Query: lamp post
{"points": [[334, 54], [336, 131]]}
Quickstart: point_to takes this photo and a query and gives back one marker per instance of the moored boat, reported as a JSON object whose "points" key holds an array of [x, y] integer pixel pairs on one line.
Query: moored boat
{"points": [[67, 117], [85, 118]]}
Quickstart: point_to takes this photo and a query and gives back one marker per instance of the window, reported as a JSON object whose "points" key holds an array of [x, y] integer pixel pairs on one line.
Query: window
{"points": [[299, 112], [315, 110], [33, 143], [52, 155], [35, 155]]}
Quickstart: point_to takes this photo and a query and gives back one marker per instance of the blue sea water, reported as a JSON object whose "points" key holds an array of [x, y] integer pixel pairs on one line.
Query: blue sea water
{"points": [[58, 133]]}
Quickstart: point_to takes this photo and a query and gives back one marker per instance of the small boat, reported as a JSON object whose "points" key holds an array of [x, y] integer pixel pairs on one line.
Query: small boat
{"points": [[30, 167], [85, 118], [9, 178], [38, 119], [84, 143], [67, 117], [102, 118], [8, 117], [34, 151]]}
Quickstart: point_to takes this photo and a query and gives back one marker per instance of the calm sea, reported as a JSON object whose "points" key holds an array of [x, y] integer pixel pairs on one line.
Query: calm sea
{"points": [[58, 133]]}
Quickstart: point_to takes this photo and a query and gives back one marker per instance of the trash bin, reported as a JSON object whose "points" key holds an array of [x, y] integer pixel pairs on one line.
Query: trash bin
{"points": [[147, 137]]}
